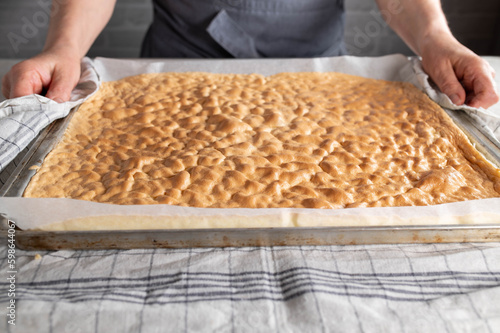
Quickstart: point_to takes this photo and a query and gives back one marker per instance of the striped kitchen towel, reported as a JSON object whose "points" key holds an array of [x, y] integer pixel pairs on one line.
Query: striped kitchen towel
{"points": [[22, 119], [355, 288]]}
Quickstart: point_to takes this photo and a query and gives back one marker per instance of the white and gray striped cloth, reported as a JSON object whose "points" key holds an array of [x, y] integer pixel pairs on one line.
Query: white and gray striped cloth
{"points": [[373, 288], [22, 119]]}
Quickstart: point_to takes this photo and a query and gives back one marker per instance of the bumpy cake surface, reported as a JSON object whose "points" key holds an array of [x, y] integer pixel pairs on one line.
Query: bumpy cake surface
{"points": [[313, 140]]}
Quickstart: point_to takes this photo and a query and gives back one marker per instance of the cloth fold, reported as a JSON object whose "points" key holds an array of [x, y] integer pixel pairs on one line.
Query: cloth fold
{"points": [[22, 119]]}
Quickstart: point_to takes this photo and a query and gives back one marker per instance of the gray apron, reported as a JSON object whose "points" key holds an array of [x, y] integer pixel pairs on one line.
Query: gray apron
{"points": [[245, 29]]}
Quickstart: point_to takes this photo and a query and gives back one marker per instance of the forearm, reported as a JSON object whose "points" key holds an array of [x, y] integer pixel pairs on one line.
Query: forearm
{"points": [[75, 24], [416, 21]]}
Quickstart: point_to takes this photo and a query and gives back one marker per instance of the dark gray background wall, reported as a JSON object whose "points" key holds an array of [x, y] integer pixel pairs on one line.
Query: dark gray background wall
{"points": [[23, 26]]}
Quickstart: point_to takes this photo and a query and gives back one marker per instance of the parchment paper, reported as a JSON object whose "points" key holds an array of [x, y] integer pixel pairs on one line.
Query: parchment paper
{"points": [[69, 214]]}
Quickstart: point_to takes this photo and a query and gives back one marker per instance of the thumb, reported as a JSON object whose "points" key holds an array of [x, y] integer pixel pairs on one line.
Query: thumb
{"points": [[445, 78], [62, 83]]}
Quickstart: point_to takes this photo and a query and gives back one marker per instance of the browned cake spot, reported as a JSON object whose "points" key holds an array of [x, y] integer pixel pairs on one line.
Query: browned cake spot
{"points": [[314, 140]]}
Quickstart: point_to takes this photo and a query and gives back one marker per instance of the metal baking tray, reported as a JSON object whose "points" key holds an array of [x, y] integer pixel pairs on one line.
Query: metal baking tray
{"points": [[238, 237]]}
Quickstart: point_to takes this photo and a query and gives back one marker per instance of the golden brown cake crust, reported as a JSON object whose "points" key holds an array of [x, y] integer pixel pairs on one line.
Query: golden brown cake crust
{"points": [[313, 140]]}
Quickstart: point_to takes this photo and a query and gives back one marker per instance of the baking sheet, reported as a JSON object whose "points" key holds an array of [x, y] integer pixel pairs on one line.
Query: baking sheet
{"points": [[49, 214]]}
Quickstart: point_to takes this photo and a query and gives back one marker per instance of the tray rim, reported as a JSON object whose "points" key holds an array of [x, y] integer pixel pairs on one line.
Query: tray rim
{"points": [[294, 236], [318, 228]]}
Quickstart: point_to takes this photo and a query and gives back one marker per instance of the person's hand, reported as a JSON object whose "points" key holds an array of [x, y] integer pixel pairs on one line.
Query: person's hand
{"points": [[458, 72], [55, 72]]}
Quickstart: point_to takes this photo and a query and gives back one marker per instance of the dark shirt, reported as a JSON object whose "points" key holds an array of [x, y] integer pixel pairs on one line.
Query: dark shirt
{"points": [[245, 29]]}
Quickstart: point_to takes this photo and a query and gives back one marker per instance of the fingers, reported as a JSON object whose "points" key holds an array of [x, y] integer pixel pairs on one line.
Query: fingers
{"points": [[484, 93], [445, 78], [480, 86], [25, 84], [57, 75], [64, 79], [21, 80]]}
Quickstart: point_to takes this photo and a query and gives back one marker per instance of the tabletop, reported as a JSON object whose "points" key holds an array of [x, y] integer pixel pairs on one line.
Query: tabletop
{"points": [[353, 288]]}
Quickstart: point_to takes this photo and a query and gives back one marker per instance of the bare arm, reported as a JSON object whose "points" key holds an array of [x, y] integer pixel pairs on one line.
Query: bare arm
{"points": [[458, 72], [74, 26]]}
